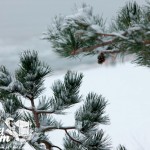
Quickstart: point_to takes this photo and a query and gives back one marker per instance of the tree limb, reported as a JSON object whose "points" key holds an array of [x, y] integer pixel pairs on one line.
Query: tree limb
{"points": [[35, 114], [109, 51], [105, 34], [57, 128], [49, 145], [56, 147], [91, 48], [88, 49], [45, 111], [72, 137]]}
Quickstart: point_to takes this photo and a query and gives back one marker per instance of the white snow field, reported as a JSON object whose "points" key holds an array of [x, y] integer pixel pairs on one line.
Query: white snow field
{"points": [[126, 86]]}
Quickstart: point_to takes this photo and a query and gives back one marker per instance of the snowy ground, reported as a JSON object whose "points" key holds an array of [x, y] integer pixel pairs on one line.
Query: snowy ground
{"points": [[125, 86], [127, 89]]}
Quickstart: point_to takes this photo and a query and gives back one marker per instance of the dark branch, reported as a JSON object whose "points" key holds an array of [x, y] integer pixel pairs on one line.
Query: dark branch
{"points": [[45, 111], [91, 48], [35, 114], [110, 51], [56, 147], [57, 128], [49, 145], [105, 34], [72, 137]]}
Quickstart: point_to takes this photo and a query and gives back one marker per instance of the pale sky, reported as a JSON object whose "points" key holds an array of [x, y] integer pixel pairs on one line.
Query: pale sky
{"points": [[126, 86]]}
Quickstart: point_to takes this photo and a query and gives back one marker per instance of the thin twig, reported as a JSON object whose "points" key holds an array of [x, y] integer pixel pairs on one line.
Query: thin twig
{"points": [[91, 48], [72, 137], [57, 128], [110, 51], [105, 34], [47, 144], [45, 111], [36, 118], [56, 147]]}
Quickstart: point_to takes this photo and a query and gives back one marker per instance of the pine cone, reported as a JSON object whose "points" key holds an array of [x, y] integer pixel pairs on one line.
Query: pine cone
{"points": [[101, 58]]}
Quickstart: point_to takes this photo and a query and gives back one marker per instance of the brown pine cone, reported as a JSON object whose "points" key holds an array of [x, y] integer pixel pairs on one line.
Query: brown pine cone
{"points": [[101, 58]]}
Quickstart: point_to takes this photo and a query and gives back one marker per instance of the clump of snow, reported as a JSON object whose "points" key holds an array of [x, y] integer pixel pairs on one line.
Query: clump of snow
{"points": [[119, 35], [95, 28]]}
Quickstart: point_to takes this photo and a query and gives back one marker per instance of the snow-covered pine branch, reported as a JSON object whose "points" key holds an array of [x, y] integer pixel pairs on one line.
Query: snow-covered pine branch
{"points": [[83, 32], [39, 118]]}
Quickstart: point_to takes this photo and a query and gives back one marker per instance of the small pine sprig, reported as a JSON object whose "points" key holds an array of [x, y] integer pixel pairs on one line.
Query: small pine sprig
{"points": [[32, 73], [5, 77], [67, 93], [128, 15], [98, 141], [91, 113]]}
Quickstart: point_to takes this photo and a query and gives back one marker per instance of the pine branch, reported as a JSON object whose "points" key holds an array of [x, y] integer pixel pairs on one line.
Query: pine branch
{"points": [[97, 141], [32, 73], [35, 114], [49, 146], [48, 120], [44, 103], [107, 43], [11, 104], [45, 129], [113, 34], [85, 32], [105, 34], [56, 147], [5, 77], [29, 84], [91, 48], [92, 113], [45, 111], [66, 93], [72, 137]]}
